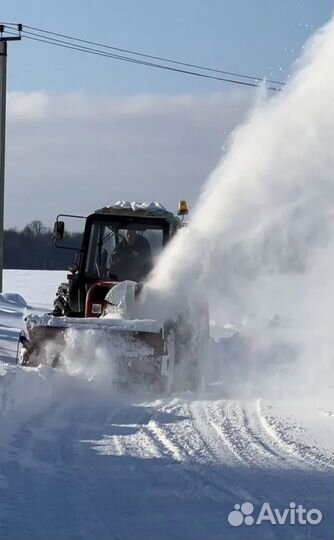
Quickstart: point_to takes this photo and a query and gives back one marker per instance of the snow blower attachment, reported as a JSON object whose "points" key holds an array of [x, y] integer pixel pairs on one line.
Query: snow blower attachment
{"points": [[102, 294]]}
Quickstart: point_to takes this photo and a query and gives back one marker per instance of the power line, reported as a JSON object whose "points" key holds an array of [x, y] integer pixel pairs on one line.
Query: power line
{"points": [[152, 57], [98, 52], [68, 45]]}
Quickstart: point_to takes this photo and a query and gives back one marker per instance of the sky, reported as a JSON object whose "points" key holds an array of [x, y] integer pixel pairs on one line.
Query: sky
{"points": [[84, 131]]}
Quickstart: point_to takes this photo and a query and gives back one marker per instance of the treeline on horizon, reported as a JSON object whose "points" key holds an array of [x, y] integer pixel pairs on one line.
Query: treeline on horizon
{"points": [[33, 248]]}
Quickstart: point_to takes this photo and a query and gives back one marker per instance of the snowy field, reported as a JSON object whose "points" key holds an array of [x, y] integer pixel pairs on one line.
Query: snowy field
{"points": [[80, 462]]}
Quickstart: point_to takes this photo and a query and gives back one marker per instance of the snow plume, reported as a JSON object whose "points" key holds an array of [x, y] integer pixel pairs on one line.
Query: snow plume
{"points": [[259, 237]]}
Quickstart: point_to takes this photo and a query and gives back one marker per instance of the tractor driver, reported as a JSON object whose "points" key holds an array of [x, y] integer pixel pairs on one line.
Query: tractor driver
{"points": [[132, 258]]}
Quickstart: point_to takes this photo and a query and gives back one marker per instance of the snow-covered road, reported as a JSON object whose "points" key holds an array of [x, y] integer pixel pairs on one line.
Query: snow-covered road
{"points": [[77, 461]]}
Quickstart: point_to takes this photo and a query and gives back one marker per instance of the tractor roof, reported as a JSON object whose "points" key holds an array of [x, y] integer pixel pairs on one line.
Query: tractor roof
{"points": [[150, 210]]}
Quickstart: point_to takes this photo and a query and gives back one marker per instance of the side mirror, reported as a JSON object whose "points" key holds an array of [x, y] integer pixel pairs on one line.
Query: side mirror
{"points": [[58, 230]]}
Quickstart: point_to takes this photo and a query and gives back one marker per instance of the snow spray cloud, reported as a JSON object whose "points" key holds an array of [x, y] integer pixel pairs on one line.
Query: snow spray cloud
{"points": [[259, 238], [88, 355], [101, 357]]}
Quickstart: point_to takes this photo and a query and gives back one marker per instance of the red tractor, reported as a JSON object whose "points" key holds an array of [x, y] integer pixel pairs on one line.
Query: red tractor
{"points": [[119, 248]]}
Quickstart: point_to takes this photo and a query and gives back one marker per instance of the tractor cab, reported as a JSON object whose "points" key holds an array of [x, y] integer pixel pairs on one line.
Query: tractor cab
{"points": [[120, 242]]}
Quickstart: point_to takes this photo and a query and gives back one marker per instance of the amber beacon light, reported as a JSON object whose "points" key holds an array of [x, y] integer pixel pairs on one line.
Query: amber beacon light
{"points": [[182, 208]]}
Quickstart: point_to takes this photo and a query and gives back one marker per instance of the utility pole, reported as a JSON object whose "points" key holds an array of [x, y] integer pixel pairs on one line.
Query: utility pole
{"points": [[3, 69]]}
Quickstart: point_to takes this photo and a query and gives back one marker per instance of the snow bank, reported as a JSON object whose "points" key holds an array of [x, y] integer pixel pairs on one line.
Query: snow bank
{"points": [[13, 299], [12, 306], [23, 389]]}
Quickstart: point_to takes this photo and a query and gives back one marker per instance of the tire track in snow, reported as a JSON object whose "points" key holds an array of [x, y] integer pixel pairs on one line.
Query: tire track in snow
{"points": [[212, 432], [239, 433], [184, 443], [227, 425], [304, 454]]}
